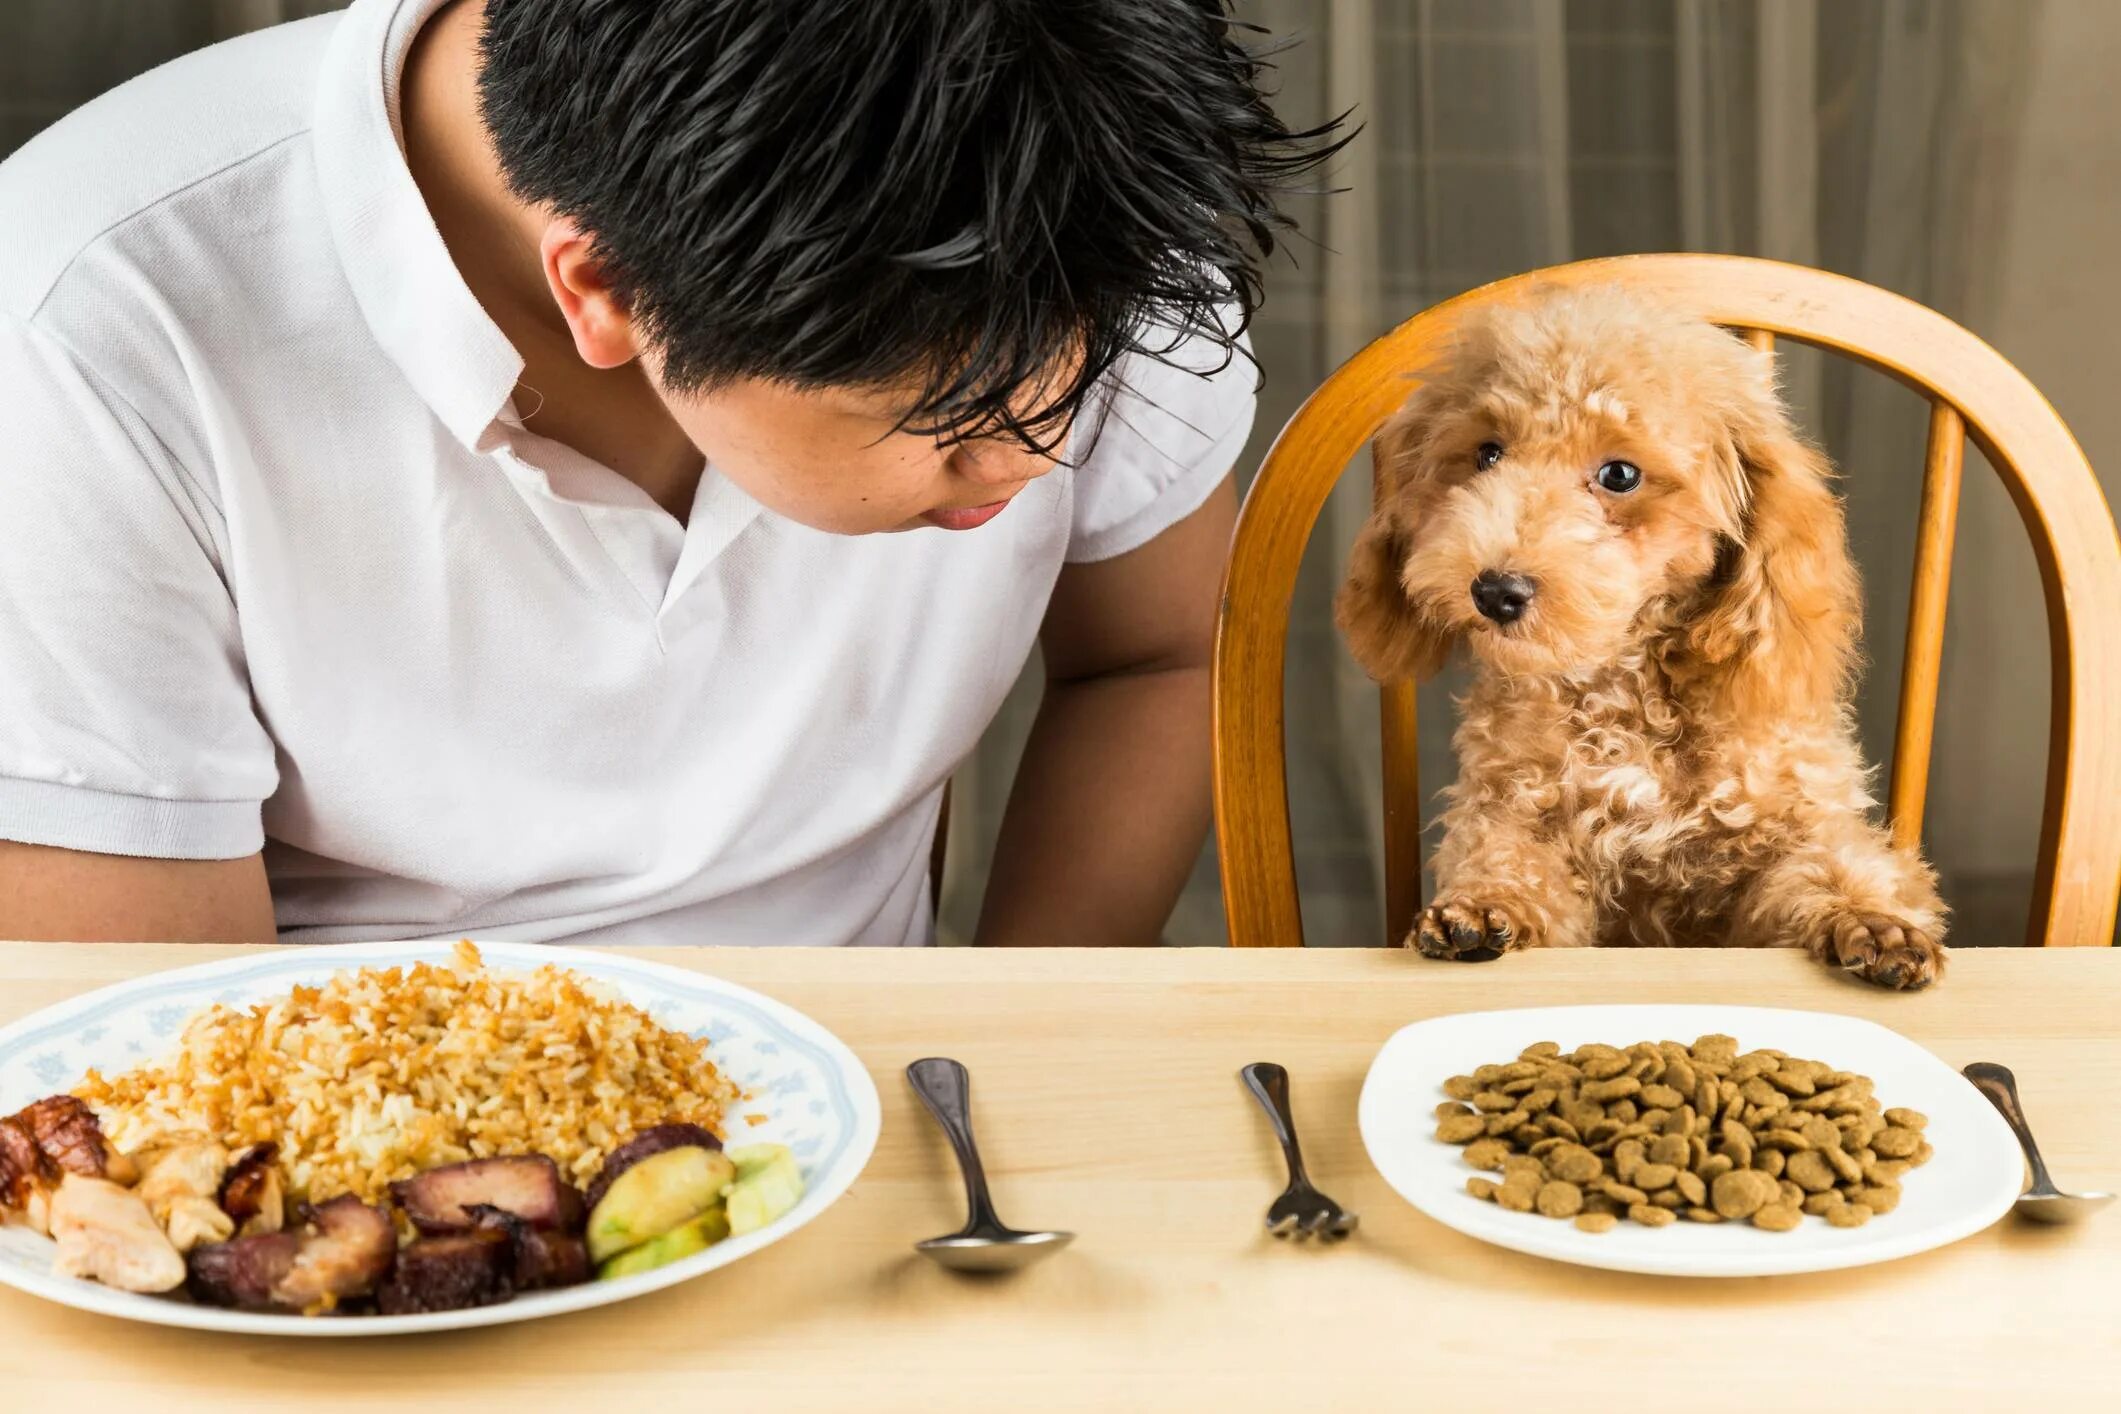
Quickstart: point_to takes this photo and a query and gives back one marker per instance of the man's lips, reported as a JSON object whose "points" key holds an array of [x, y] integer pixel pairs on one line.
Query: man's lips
{"points": [[971, 518]]}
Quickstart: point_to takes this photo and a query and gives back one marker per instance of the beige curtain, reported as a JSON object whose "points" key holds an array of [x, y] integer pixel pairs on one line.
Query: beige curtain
{"points": [[1888, 139], [1964, 152]]}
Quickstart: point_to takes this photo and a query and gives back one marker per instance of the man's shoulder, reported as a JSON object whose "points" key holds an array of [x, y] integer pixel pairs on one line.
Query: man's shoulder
{"points": [[129, 152]]}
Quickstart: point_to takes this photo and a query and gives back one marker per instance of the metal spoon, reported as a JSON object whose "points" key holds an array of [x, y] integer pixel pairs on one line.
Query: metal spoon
{"points": [[985, 1243], [2043, 1202]]}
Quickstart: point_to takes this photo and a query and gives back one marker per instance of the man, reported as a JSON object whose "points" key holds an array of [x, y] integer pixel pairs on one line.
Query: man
{"points": [[591, 468]]}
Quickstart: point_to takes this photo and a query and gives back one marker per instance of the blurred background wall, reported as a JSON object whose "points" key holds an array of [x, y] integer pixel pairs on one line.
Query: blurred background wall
{"points": [[1966, 153]]}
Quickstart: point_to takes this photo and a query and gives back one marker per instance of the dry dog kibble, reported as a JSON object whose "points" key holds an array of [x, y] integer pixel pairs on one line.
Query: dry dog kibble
{"points": [[1879, 1198], [1810, 1171], [1741, 1192], [1487, 1153], [1573, 1163], [1845, 1167], [1651, 1177], [1459, 1129], [1516, 1197], [1893, 1142], [1556, 1199], [1660, 1130], [1817, 1204]]}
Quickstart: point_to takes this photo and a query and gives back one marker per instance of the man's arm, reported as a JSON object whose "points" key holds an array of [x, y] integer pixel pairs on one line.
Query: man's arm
{"points": [[1111, 802], [64, 895]]}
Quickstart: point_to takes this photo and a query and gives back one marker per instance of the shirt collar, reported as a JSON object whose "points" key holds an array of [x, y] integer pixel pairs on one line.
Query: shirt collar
{"points": [[414, 300]]}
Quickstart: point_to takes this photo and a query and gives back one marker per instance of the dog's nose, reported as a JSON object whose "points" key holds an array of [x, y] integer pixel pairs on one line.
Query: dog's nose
{"points": [[1501, 596]]}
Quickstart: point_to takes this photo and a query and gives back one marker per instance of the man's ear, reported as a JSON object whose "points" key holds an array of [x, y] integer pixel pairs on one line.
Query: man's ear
{"points": [[602, 328]]}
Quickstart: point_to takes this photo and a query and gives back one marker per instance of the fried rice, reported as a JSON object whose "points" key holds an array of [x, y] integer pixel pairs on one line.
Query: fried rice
{"points": [[383, 1072]]}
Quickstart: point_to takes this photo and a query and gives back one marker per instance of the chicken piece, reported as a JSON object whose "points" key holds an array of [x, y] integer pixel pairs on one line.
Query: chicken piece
{"points": [[107, 1234], [541, 1259], [450, 1273], [340, 1253], [251, 1193], [180, 1181], [70, 1135], [26, 1176], [647, 1144], [529, 1186]]}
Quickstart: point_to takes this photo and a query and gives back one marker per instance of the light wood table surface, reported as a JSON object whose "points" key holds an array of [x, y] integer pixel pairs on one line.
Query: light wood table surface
{"points": [[1107, 1102]]}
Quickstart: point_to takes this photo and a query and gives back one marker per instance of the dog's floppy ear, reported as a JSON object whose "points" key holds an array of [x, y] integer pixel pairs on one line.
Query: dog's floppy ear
{"points": [[1383, 631], [1780, 623]]}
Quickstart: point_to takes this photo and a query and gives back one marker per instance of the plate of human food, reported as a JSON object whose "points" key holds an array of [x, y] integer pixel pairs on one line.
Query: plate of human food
{"points": [[383, 1138], [1698, 1141]]}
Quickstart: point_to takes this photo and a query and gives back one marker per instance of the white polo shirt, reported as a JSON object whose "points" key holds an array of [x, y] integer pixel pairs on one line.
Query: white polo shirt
{"points": [[276, 570]]}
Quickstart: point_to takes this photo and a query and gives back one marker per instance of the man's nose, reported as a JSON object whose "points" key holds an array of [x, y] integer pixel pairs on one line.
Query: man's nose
{"points": [[991, 462], [1502, 595]]}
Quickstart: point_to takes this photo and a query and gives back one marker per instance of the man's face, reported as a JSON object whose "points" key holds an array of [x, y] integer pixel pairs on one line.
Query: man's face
{"points": [[829, 459]]}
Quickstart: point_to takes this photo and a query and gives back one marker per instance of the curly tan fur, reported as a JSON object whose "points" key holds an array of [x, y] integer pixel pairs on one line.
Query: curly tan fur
{"points": [[1661, 750]]}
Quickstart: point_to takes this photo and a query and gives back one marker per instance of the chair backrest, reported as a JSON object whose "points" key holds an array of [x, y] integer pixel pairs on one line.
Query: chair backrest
{"points": [[1973, 392]]}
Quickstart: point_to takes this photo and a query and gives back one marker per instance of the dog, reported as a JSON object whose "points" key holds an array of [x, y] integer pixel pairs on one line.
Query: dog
{"points": [[1604, 502]]}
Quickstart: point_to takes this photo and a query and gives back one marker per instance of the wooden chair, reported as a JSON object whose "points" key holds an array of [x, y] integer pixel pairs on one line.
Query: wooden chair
{"points": [[1973, 392]]}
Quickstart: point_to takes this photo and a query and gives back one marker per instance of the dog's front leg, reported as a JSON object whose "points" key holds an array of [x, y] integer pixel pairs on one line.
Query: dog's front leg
{"points": [[1854, 901], [1501, 886]]}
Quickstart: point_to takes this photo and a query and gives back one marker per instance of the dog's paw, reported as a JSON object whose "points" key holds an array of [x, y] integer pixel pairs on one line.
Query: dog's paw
{"points": [[1888, 951], [1463, 930]]}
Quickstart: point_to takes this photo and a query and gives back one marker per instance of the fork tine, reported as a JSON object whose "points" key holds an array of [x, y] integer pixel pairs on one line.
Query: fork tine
{"points": [[1319, 1223], [1283, 1225]]}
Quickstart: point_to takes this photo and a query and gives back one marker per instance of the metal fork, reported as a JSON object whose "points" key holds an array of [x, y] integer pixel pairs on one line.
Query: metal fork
{"points": [[1301, 1211]]}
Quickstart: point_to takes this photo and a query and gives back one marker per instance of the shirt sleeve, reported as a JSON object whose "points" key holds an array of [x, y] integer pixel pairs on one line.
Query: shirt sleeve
{"points": [[1172, 430], [126, 724]]}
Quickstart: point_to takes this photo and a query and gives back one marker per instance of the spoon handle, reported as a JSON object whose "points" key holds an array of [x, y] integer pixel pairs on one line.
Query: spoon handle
{"points": [[946, 1089], [2001, 1087], [1269, 1084]]}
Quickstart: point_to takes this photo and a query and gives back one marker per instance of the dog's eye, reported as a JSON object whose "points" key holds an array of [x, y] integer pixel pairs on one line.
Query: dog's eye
{"points": [[1620, 477], [1489, 454]]}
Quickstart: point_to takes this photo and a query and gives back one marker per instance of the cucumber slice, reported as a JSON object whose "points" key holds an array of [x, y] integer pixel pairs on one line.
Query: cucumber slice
{"points": [[768, 1184], [657, 1196], [698, 1235]]}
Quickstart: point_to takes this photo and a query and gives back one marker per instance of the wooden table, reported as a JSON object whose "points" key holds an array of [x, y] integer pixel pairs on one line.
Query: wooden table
{"points": [[1107, 1103]]}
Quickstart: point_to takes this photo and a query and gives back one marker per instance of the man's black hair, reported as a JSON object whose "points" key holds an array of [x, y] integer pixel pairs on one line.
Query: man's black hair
{"points": [[966, 199]]}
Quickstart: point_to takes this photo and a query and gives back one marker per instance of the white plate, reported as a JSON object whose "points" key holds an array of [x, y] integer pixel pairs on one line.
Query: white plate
{"points": [[818, 1098], [1971, 1182]]}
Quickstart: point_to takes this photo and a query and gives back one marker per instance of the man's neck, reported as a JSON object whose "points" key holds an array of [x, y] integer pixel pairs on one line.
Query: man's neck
{"points": [[611, 415]]}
